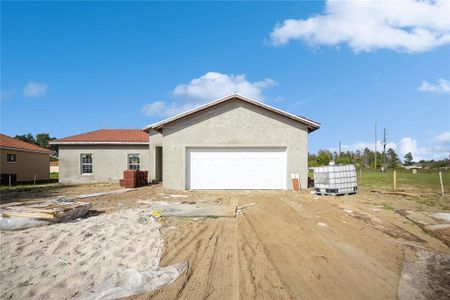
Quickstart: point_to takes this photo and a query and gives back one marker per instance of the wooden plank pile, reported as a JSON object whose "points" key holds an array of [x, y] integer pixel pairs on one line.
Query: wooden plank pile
{"points": [[52, 210]]}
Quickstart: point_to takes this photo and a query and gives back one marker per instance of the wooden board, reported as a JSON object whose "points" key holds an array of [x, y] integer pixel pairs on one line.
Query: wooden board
{"points": [[50, 210]]}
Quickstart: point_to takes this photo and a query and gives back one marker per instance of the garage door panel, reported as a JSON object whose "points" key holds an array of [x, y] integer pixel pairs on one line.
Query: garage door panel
{"points": [[236, 168]]}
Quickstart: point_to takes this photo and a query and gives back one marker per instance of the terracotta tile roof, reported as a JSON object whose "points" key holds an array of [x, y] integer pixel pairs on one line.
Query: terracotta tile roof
{"points": [[107, 136], [9, 142]]}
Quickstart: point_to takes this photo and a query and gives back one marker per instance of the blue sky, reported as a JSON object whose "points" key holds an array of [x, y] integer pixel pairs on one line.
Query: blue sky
{"points": [[68, 68]]}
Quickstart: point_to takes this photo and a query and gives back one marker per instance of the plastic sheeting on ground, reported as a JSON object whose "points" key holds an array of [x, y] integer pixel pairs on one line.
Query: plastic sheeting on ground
{"points": [[129, 281], [178, 209]]}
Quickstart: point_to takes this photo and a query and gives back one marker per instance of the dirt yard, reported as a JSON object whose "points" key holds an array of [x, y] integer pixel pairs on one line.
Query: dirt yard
{"points": [[287, 246]]}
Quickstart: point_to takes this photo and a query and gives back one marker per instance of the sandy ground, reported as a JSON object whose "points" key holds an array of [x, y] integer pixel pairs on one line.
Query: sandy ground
{"points": [[289, 246], [67, 260]]}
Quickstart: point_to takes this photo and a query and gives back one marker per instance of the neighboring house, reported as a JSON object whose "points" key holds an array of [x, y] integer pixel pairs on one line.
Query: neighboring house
{"points": [[54, 166], [231, 143], [22, 161], [101, 155]]}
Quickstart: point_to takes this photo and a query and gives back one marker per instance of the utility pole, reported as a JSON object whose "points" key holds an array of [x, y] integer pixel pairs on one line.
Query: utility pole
{"points": [[375, 147], [339, 148], [384, 150]]}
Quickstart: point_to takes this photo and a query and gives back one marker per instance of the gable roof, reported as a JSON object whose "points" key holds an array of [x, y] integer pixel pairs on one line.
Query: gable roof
{"points": [[312, 125], [106, 136], [8, 142]]}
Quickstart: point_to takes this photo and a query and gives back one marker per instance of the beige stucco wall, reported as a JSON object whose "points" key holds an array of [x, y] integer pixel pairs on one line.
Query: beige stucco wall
{"points": [[233, 123], [156, 141], [27, 165], [108, 162]]}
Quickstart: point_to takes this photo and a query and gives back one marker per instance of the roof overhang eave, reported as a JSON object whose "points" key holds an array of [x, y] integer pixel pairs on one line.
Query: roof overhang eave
{"points": [[99, 143], [312, 126]]}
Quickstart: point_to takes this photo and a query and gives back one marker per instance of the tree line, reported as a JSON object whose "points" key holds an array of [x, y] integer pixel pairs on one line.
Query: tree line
{"points": [[366, 159]]}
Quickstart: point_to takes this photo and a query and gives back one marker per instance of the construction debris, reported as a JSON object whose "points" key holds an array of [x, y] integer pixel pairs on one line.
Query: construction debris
{"points": [[25, 215], [121, 191]]}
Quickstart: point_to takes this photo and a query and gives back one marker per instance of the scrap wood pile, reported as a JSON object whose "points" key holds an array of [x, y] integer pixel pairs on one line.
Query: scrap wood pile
{"points": [[53, 210]]}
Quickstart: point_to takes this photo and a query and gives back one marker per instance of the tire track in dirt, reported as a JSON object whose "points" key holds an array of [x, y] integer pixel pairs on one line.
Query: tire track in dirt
{"points": [[258, 277], [211, 253]]}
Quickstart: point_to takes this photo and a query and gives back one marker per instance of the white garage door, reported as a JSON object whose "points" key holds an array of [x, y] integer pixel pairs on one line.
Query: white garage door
{"points": [[236, 168]]}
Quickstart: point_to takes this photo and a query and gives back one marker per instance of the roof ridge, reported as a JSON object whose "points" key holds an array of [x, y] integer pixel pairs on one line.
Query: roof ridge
{"points": [[312, 125]]}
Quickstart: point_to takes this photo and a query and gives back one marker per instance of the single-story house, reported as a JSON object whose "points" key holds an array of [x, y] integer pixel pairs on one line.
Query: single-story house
{"points": [[54, 166], [230, 143], [22, 162], [101, 155]]}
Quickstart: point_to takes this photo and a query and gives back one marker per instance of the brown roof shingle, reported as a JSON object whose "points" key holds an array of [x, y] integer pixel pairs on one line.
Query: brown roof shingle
{"points": [[107, 136], [9, 142]]}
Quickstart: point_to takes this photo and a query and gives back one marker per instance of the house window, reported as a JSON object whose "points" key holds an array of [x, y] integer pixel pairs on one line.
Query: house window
{"points": [[134, 162], [86, 163], [11, 158]]}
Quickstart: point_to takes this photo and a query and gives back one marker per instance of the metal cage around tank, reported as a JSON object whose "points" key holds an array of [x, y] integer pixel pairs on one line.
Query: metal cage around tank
{"points": [[335, 180]]}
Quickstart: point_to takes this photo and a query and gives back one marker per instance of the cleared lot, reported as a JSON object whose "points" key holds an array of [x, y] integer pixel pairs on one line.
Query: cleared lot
{"points": [[288, 245]]}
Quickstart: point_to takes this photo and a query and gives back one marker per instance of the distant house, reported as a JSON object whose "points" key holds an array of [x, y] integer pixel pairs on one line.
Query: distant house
{"points": [[22, 161], [414, 168], [102, 155], [54, 166]]}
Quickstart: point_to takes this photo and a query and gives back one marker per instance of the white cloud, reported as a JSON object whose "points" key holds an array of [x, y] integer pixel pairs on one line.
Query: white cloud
{"points": [[161, 109], [406, 26], [35, 89], [443, 138], [442, 87], [213, 85], [408, 144], [210, 86]]}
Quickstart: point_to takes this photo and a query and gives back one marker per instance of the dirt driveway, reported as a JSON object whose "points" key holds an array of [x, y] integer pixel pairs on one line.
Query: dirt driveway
{"points": [[286, 246], [290, 246]]}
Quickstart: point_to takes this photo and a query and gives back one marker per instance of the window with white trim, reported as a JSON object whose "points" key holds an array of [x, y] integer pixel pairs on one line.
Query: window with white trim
{"points": [[10, 158], [86, 163], [134, 162]]}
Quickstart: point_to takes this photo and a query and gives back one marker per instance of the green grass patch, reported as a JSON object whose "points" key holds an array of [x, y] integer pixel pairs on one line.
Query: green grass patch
{"points": [[421, 182]]}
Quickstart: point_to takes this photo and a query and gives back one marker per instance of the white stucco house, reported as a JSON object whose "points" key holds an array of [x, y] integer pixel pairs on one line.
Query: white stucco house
{"points": [[230, 143]]}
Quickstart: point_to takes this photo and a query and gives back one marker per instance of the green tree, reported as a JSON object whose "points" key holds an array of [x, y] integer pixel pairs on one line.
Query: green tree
{"points": [[391, 158], [312, 160], [29, 138], [323, 157], [367, 157], [43, 140], [408, 161]]}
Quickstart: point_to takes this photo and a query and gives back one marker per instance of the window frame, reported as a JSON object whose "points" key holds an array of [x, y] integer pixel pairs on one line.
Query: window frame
{"points": [[87, 164], [8, 155], [129, 164]]}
